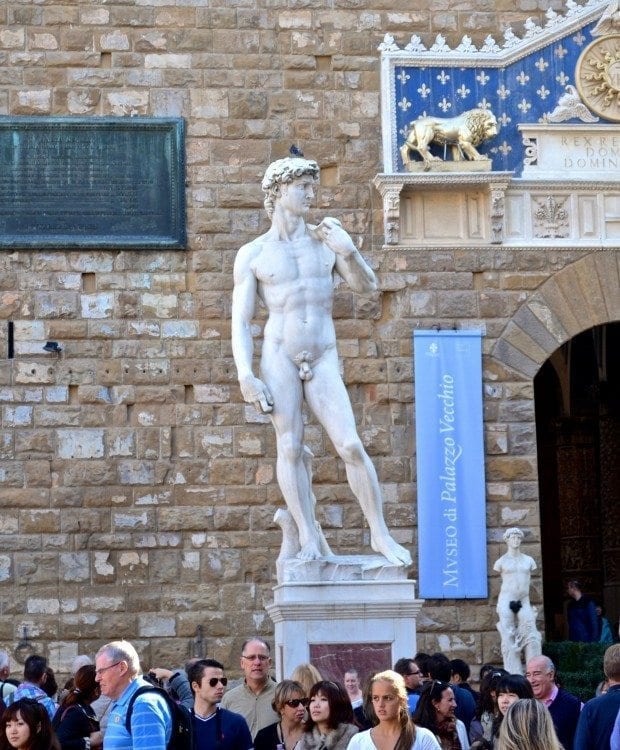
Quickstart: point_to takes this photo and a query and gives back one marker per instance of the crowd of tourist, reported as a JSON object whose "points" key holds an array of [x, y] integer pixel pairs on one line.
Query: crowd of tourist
{"points": [[424, 703]]}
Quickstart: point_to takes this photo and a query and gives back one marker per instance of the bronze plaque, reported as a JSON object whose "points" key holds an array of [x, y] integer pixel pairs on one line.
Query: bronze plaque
{"points": [[92, 182]]}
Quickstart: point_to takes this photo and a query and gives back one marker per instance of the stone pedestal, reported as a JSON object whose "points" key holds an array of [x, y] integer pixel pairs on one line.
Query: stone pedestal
{"points": [[341, 602]]}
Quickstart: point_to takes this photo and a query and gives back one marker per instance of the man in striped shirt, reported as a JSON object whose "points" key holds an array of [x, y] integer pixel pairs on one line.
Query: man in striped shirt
{"points": [[119, 676]]}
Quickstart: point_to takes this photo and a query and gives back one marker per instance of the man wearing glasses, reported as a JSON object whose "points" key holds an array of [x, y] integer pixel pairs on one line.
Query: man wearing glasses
{"points": [[117, 670], [213, 726], [412, 676], [253, 698]]}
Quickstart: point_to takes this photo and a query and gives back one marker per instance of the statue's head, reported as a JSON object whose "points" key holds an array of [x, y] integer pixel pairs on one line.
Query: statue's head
{"points": [[513, 532], [283, 171]]}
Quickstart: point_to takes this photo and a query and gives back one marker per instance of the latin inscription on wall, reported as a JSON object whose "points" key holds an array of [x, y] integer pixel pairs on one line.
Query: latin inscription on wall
{"points": [[74, 182]]}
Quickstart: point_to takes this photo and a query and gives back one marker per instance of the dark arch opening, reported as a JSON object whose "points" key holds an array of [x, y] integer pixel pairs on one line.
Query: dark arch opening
{"points": [[577, 397]]}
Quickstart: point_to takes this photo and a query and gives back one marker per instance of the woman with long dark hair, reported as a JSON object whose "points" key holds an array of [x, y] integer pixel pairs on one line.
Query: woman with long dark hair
{"points": [[331, 722], [26, 725], [510, 689], [75, 721], [481, 728], [435, 711], [385, 704]]}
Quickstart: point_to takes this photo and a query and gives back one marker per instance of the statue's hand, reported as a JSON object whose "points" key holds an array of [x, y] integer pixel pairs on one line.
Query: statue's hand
{"points": [[255, 392], [337, 239]]}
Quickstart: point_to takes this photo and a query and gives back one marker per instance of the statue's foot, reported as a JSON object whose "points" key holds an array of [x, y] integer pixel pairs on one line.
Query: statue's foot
{"points": [[390, 549], [310, 551]]}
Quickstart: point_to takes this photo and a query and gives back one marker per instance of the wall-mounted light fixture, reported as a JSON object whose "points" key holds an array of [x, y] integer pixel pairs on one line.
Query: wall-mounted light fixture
{"points": [[52, 346]]}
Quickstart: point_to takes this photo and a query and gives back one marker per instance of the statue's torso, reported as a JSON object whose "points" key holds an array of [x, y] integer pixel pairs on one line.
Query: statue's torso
{"points": [[295, 282]]}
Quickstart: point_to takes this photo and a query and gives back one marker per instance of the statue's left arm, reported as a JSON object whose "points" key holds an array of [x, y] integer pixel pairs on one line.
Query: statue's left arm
{"points": [[349, 263]]}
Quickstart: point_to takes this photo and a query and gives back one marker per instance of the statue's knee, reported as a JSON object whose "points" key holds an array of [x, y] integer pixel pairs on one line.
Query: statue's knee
{"points": [[352, 452], [289, 448]]}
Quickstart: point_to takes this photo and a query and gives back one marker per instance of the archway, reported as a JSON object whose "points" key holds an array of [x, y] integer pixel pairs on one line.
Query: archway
{"points": [[565, 339], [577, 398]]}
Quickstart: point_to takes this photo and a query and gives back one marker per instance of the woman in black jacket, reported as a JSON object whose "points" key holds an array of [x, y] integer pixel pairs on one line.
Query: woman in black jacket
{"points": [[75, 722]]}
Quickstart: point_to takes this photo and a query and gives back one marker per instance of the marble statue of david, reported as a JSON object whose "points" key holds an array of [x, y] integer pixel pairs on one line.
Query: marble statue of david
{"points": [[290, 270]]}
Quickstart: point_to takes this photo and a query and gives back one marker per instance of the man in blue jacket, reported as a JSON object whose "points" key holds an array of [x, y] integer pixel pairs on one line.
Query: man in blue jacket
{"points": [[581, 614], [597, 718]]}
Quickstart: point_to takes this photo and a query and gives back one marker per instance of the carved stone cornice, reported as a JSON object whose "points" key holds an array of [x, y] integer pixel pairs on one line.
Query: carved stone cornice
{"points": [[491, 53], [391, 187]]}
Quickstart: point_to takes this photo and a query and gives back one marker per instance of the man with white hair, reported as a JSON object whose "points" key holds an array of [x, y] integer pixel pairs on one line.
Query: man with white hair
{"points": [[563, 706], [119, 675], [6, 687]]}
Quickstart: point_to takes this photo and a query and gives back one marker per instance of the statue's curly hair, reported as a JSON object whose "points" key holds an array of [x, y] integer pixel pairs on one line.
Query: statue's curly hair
{"points": [[283, 171]]}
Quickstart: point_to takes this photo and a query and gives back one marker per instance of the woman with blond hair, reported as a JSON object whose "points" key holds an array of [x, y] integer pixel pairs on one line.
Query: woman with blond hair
{"points": [[385, 704], [289, 702], [528, 726], [307, 675]]}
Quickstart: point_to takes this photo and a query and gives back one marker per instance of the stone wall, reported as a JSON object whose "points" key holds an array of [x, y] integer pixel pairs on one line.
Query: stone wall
{"points": [[137, 489]]}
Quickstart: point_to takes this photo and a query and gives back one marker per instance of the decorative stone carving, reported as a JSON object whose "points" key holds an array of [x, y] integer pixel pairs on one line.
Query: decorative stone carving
{"points": [[478, 203], [498, 209], [551, 217], [517, 617], [391, 212], [609, 22], [571, 152], [461, 134], [570, 106], [530, 151], [597, 76]]}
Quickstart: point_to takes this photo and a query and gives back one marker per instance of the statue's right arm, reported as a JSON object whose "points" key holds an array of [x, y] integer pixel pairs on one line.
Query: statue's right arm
{"points": [[254, 391]]}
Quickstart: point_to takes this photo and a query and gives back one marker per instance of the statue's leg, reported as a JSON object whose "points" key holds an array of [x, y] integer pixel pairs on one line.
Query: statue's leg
{"points": [[282, 378], [328, 398], [404, 152], [530, 634], [510, 651], [308, 456]]}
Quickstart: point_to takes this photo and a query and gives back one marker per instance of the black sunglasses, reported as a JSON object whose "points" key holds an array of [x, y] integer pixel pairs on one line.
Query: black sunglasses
{"points": [[294, 702], [214, 680]]}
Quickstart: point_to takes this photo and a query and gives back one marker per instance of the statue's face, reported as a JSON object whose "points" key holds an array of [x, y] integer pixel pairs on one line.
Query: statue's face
{"points": [[297, 196], [514, 541]]}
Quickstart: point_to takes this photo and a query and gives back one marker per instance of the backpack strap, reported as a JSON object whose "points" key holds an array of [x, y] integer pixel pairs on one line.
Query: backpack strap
{"points": [[137, 694]]}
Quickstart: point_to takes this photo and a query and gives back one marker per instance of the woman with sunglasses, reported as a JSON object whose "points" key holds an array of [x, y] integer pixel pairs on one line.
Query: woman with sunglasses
{"points": [[26, 725], [435, 711], [75, 722], [385, 703], [331, 722], [290, 703]]}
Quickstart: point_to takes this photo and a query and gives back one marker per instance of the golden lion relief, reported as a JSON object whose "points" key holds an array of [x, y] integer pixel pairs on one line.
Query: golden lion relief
{"points": [[462, 134]]}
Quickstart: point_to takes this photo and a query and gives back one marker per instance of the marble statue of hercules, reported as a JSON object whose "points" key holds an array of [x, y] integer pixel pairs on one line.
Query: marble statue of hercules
{"points": [[290, 269], [517, 617]]}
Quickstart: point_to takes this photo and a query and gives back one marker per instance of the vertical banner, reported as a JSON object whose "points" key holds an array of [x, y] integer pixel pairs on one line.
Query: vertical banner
{"points": [[452, 544]]}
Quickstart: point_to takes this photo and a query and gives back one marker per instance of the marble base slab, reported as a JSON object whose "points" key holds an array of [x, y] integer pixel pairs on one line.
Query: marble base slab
{"points": [[340, 568], [334, 602]]}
